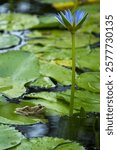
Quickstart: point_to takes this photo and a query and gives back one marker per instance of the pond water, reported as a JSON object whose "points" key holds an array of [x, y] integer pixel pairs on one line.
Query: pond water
{"points": [[85, 130], [82, 130]]}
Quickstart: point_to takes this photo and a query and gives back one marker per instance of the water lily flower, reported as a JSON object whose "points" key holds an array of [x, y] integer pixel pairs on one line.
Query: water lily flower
{"points": [[72, 21]]}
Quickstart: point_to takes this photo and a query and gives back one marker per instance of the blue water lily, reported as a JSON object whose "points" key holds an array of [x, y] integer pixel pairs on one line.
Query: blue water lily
{"points": [[72, 21]]}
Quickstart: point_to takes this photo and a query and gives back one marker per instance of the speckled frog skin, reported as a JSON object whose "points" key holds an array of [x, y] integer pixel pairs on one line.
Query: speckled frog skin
{"points": [[30, 111]]}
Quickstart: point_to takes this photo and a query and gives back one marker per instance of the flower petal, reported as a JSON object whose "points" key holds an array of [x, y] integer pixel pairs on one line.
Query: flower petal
{"points": [[79, 16], [66, 22], [68, 16], [72, 22], [59, 18], [81, 21]]}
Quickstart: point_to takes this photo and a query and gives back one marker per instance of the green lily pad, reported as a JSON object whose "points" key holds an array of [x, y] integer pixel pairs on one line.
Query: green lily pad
{"points": [[56, 54], [17, 68], [88, 100], [5, 84], [93, 22], [11, 88], [8, 115], [89, 81], [91, 61], [42, 82], [49, 143], [9, 137], [58, 103], [17, 21], [62, 39], [7, 41], [59, 73], [48, 21], [49, 96], [52, 107], [86, 58], [91, 9]]}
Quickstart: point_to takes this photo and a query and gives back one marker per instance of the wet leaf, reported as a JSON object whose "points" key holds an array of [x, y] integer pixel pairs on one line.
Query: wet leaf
{"points": [[91, 61], [8, 115], [11, 88], [89, 81], [59, 73], [42, 82], [8, 41], [5, 84], [17, 21], [13, 72], [9, 137], [49, 143], [62, 39], [53, 107], [93, 22], [88, 100], [47, 21], [58, 103]]}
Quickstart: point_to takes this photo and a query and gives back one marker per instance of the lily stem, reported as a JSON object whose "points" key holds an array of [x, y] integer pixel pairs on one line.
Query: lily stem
{"points": [[73, 74], [11, 5]]}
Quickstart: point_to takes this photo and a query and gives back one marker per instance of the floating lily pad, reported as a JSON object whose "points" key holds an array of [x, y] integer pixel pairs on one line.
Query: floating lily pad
{"points": [[8, 41], [88, 100], [48, 21], [11, 88], [42, 82], [91, 61], [49, 143], [8, 115], [17, 21], [17, 68], [52, 108], [59, 73], [49, 96], [89, 81], [5, 84], [56, 54], [9, 137], [86, 58], [92, 9], [58, 103], [93, 22], [62, 39]]}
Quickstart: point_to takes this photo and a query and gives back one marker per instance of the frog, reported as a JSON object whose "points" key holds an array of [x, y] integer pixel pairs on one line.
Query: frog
{"points": [[30, 111]]}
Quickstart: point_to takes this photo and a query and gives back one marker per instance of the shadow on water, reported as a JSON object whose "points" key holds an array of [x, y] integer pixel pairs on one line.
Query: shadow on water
{"points": [[26, 6], [82, 130]]}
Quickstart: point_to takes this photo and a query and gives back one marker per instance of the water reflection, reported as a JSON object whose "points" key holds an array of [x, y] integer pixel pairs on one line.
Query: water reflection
{"points": [[81, 130], [26, 6], [31, 131]]}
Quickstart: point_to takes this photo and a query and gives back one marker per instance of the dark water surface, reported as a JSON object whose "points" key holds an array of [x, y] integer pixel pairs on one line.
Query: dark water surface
{"points": [[82, 130], [27, 6]]}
